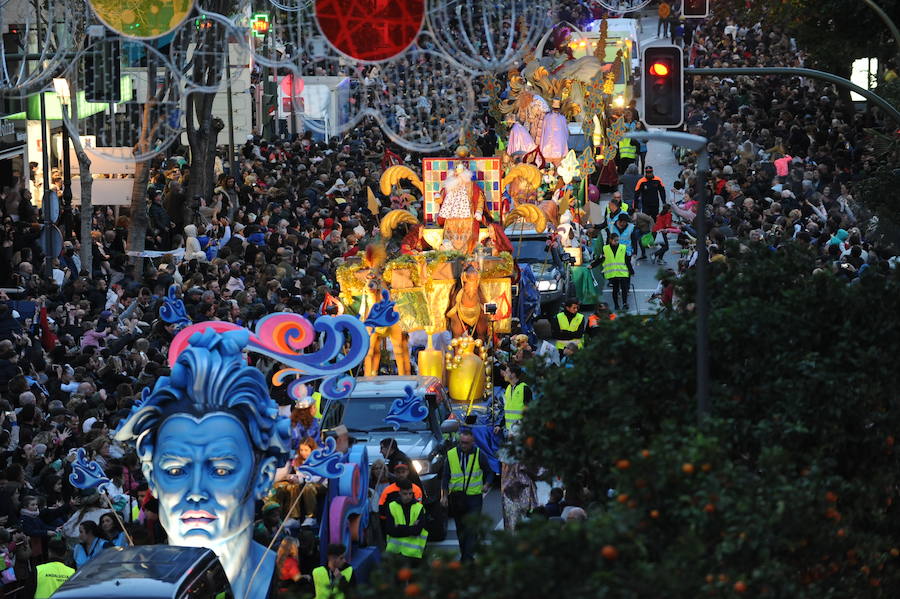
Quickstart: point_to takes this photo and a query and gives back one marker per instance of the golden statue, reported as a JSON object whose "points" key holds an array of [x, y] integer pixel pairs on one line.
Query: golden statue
{"points": [[374, 259], [466, 316]]}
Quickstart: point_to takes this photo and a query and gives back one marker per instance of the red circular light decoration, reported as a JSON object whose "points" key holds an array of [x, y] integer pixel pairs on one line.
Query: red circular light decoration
{"points": [[370, 30], [659, 69]]}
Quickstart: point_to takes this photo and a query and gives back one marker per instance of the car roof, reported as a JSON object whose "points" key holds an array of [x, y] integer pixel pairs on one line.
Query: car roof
{"points": [[143, 571], [376, 386]]}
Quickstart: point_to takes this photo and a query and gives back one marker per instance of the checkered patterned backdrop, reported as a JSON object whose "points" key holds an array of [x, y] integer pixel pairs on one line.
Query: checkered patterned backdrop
{"points": [[487, 173]]}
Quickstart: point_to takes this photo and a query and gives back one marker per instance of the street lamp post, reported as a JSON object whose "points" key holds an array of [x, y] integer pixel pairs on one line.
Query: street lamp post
{"points": [[701, 303], [45, 194], [63, 92]]}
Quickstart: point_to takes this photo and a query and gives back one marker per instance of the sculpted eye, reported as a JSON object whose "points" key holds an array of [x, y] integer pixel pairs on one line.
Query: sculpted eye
{"points": [[221, 471], [175, 471]]}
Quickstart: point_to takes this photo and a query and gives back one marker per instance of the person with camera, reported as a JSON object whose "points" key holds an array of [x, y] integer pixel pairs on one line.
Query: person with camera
{"points": [[466, 478]]}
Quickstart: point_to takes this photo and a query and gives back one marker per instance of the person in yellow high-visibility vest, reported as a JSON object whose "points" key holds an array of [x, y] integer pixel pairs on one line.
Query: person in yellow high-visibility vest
{"points": [[627, 154], [568, 325], [405, 525], [332, 579], [54, 573], [516, 398], [615, 269]]}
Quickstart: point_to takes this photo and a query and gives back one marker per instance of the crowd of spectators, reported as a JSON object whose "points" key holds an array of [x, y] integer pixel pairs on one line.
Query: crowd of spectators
{"points": [[785, 152], [77, 347]]}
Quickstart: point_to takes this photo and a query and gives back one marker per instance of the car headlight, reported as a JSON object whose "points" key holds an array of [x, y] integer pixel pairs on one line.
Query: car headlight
{"points": [[547, 285], [421, 466], [619, 101]]}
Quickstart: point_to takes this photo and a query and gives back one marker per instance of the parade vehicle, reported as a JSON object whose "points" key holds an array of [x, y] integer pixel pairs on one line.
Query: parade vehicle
{"points": [[550, 265], [149, 572], [365, 410]]}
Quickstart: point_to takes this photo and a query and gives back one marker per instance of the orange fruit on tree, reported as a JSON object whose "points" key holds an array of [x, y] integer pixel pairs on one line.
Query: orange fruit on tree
{"points": [[889, 441], [740, 586], [623, 464], [412, 590], [709, 508], [640, 483], [841, 532], [831, 497], [529, 442], [632, 504], [454, 565], [550, 425], [710, 578], [645, 453], [723, 578], [895, 552], [687, 468], [875, 582], [404, 574], [622, 498], [654, 514], [706, 467], [437, 564], [609, 552]]}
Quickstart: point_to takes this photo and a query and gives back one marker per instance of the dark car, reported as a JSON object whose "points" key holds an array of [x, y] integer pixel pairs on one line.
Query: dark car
{"points": [[149, 572], [549, 265]]}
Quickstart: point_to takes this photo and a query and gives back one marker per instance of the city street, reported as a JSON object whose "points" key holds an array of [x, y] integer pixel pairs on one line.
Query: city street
{"points": [[257, 259]]}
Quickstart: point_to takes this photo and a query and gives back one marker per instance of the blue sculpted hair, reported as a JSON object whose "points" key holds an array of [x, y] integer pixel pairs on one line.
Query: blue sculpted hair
{"points": [[211, 375]]}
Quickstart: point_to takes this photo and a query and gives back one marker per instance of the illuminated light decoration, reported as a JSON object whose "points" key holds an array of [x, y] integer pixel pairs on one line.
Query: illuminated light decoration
{"points": [[370, 31], [142, 19], [259, 24]]}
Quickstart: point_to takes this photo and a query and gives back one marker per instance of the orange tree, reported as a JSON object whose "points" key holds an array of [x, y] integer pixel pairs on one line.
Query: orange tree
{"points": [[786, 489]]}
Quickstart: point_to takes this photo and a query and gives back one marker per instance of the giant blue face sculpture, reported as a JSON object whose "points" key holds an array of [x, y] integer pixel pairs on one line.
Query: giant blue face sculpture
{"points": [[202, 475], [210, 439]]}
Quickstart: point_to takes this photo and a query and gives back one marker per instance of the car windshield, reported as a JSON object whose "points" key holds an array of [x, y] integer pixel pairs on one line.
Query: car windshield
{"points": [[530, 251], [366, 414]]}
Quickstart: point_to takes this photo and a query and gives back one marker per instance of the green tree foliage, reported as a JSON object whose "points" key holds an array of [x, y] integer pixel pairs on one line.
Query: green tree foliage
{"points": [[834, 32], [787, 489]]}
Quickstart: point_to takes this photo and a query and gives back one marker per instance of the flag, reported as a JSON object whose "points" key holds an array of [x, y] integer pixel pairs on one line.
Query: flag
{"points": [[374, 205]]}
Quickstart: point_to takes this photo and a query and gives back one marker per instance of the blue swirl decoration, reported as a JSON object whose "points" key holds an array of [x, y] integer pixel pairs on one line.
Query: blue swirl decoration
{"points": [[326, 461], [173, 309], [86, 474], [412, 408], [329, 363], [382, 314]]}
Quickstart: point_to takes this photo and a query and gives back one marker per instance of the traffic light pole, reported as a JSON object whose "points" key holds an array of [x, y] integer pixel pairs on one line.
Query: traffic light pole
{"points": [[701, 303], [798, 72]]}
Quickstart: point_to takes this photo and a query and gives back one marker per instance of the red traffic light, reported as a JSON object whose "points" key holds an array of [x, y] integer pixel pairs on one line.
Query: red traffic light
{"points": [[659, 69]]}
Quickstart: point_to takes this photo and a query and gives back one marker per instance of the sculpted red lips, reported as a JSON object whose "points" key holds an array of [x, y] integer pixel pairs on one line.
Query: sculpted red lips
{"points": [[197, 517]]}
